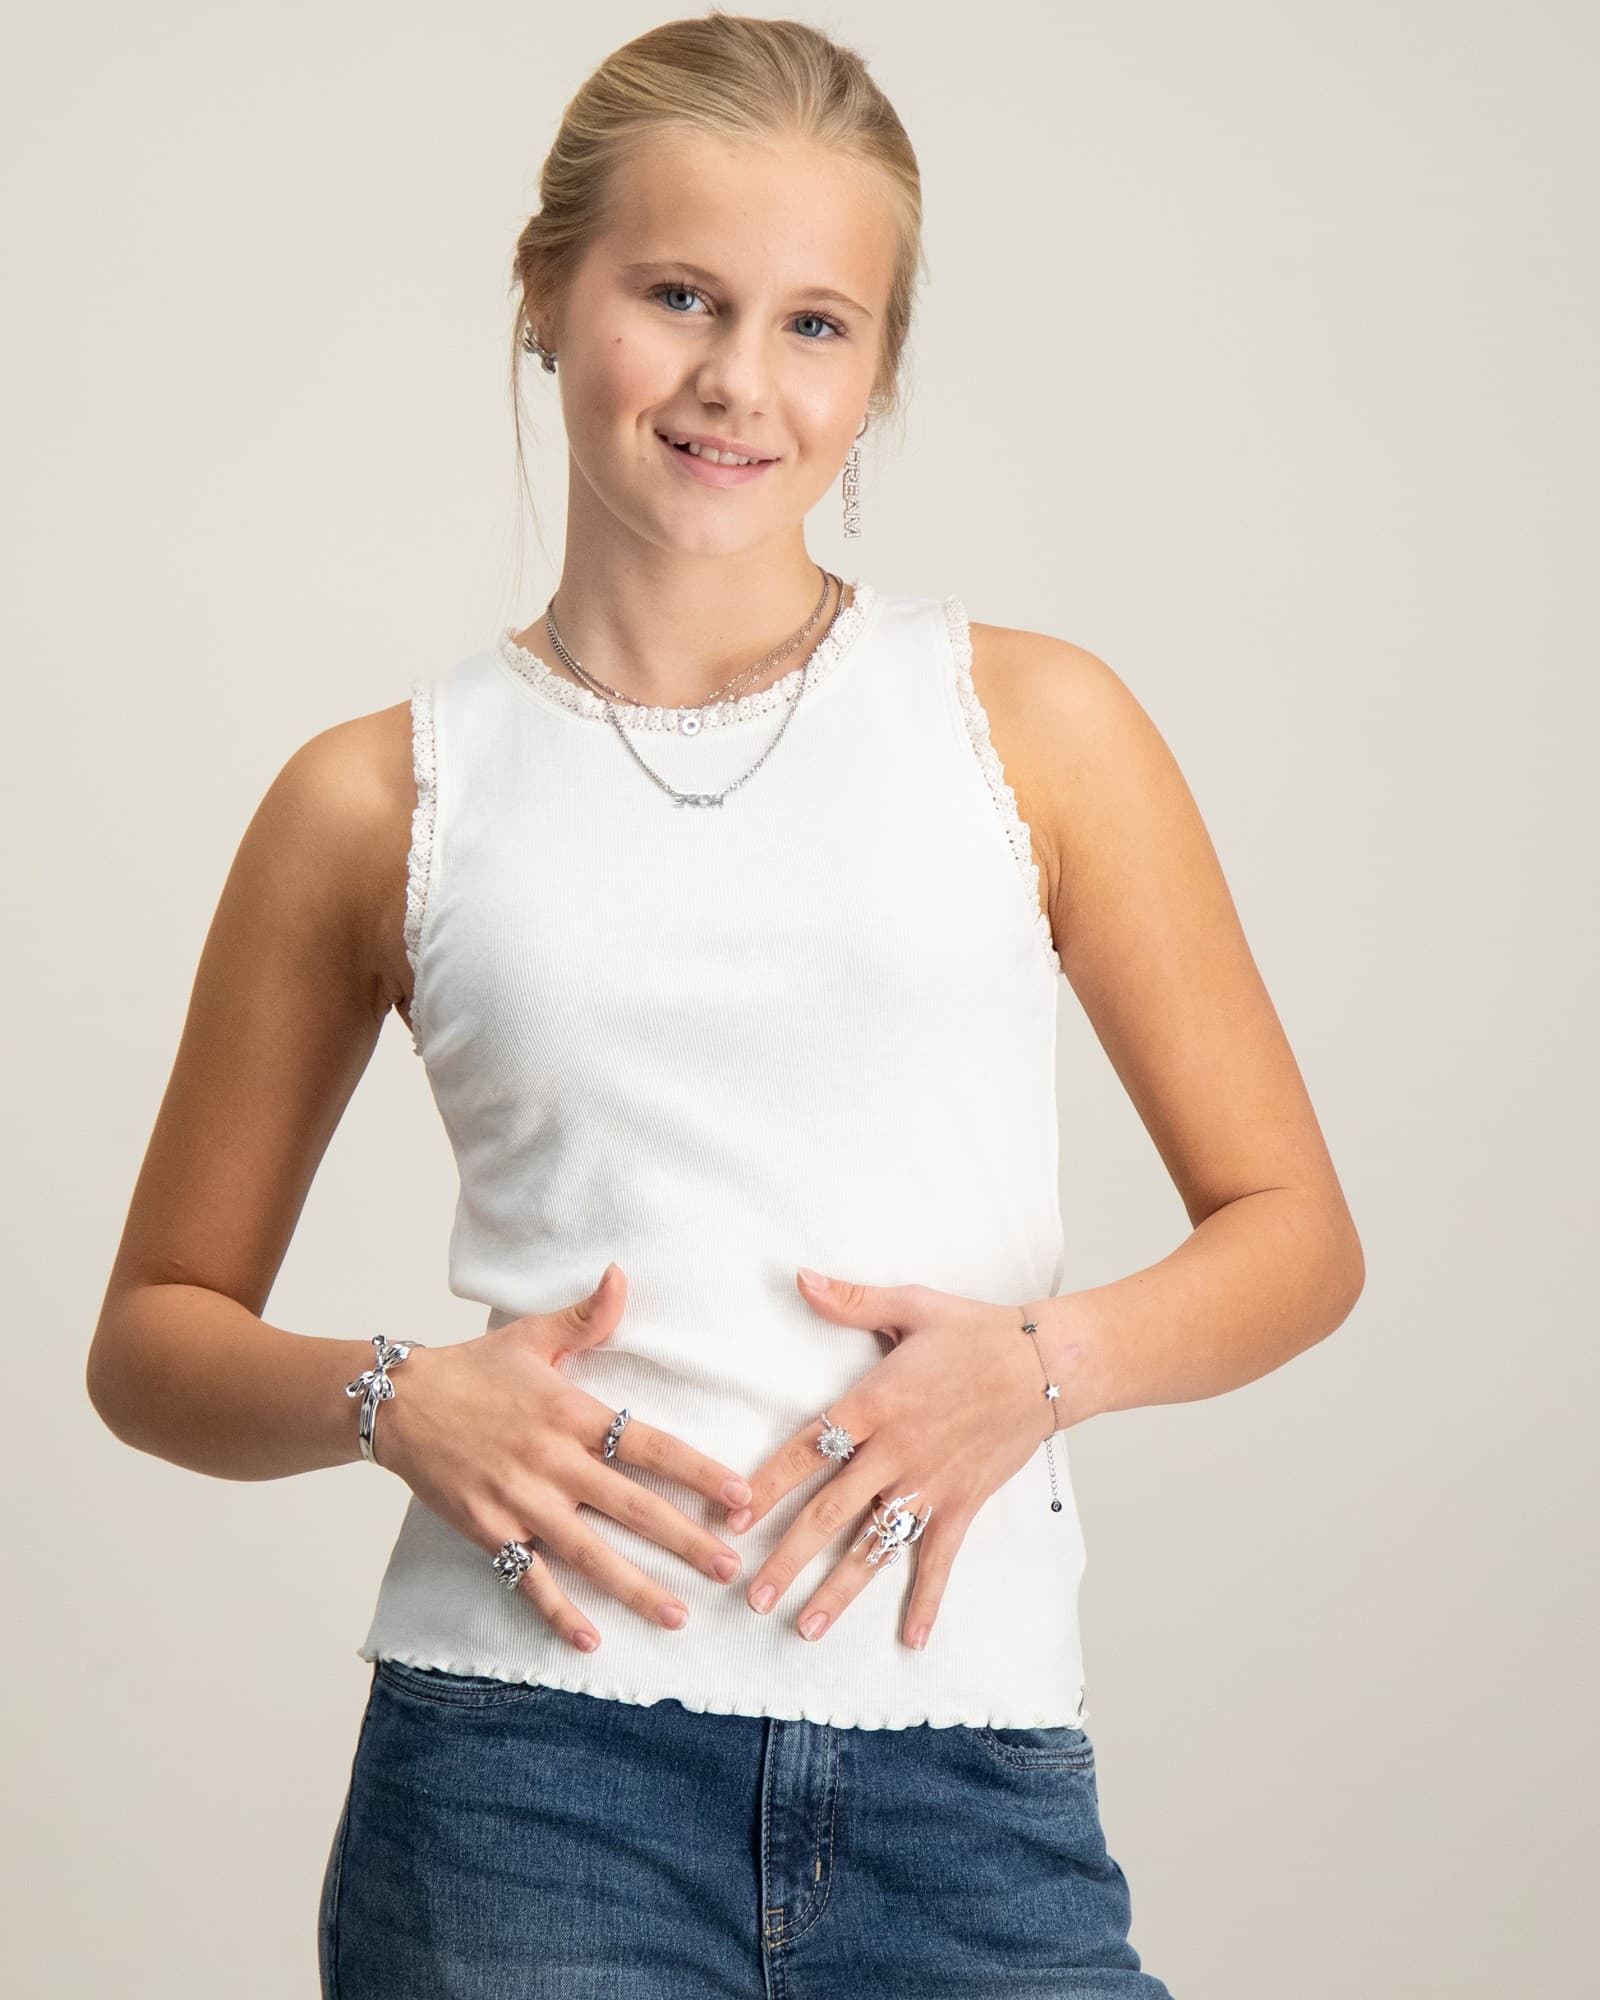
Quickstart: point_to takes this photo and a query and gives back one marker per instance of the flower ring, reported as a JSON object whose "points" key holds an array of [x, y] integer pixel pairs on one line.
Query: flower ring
{"points": [[835, 1441]]}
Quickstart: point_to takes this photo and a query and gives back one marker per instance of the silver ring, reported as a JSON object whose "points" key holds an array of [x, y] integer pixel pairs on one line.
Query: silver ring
{"points": [[619, 1423], [835, 1441], [513, 1563], [896, 1527]]}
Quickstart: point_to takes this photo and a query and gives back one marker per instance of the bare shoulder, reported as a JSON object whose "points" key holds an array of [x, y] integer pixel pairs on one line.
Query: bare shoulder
{"points": [[1047, 683], [1014, 649], [359, 784], [1066, 728], [334, 828]]}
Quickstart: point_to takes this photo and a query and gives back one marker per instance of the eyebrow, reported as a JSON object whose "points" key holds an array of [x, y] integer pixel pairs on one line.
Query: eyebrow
{"points": [[702, 276]]}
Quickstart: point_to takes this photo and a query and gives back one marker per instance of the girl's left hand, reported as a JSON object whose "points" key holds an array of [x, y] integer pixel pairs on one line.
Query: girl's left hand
{"points": [[951, 1415]]}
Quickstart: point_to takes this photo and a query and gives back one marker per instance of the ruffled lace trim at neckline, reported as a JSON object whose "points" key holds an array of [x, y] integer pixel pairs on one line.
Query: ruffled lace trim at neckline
{"points": [[825, 656]]}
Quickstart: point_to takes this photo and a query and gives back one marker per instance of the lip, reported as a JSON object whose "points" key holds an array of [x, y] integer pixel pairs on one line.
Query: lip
{"points": [[736, 445], [706, 474]]}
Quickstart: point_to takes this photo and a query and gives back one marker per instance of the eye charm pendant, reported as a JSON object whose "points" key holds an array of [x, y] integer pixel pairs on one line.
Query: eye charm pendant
{"points": [[688, 723]]}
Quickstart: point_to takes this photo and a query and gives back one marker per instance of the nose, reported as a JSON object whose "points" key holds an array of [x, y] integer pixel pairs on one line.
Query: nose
{"points": [[734, 373]]}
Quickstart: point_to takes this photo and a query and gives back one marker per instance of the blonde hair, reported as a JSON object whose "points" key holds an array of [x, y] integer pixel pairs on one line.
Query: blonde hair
{"points": [[739, 77]]}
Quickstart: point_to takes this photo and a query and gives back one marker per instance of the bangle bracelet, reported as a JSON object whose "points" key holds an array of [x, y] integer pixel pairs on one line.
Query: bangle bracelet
{"points": [[373, 1386], [1052, 1391]]}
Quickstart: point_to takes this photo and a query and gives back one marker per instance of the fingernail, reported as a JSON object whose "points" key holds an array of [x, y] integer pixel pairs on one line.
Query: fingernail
{"points": [[725, 1566], [586, 1640], [813, 1277], [920, 1636], [741, 1520], [810, 1626], [764, 1598], [736, 1493], [673, 1615]]}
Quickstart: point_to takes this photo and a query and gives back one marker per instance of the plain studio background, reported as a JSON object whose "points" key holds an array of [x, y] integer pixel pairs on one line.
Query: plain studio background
{"points": [[1258, 357]]}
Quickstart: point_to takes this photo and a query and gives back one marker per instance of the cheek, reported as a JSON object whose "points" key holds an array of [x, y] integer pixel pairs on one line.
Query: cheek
{"points": [[634, 375], [829, 415]]}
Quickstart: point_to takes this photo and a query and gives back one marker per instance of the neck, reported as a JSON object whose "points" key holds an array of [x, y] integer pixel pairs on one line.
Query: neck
{"points": [[638, 646]]}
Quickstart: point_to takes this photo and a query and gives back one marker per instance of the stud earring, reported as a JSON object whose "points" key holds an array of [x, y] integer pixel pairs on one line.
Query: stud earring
{"points": [[851, 484], [531, 345]]}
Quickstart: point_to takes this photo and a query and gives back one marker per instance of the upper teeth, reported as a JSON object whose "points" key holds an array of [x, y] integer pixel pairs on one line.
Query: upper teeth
{"points": [[716, 457]]}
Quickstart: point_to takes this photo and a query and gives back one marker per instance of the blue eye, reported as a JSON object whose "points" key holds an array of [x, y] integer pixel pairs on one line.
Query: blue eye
{"points": [[672, 288], [824, 319], [695, 292]]}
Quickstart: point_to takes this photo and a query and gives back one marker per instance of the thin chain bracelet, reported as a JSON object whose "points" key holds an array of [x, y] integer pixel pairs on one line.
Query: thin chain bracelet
{"points": [[1052, 1391]]}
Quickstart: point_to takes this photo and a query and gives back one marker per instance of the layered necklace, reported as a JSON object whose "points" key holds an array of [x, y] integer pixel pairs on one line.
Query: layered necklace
{"points": [[690, 719]]}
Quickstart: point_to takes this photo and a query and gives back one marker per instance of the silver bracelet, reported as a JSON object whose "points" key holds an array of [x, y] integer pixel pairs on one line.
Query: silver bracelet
{"points": [[1051, 1392], [373, 1386]]}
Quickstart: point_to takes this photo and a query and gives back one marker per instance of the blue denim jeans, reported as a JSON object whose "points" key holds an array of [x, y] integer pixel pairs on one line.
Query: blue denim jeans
{"points": [[503, 1840]]}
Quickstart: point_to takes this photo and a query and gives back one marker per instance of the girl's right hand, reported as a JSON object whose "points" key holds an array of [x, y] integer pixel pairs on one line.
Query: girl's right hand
{"points": [[490, 1436]]}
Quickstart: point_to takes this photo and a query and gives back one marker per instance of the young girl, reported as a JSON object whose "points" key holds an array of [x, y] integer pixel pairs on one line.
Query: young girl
{"points": [[730, 1643]]}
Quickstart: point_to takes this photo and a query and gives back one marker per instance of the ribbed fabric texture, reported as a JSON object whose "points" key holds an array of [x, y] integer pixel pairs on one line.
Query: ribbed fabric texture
{"points": [[813, 1025]]}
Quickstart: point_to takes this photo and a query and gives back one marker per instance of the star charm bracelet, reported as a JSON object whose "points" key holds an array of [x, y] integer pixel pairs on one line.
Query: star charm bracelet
{"points": [[1052, 1392]]}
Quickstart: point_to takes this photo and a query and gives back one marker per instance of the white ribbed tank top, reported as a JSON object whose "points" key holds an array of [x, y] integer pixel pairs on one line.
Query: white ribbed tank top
{"points": [[813, 1025]]}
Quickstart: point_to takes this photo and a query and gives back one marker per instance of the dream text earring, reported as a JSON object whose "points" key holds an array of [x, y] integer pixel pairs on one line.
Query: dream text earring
{"points": [[851, 485]]}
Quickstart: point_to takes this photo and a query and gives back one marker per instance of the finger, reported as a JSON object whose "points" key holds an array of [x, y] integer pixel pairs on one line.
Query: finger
{"points": [[892, 1310], [800, 1458], [934, 1556], [843, 1584], [635, 1506], [541, 1589], [557, 1525], [595, 1559], [559, 1612], [672, 1456], [841, 1505], [586, 1322], [854, 1572]]}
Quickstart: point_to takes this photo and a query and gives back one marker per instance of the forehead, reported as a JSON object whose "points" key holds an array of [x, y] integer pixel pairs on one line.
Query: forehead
{"points": [[779, 211]]}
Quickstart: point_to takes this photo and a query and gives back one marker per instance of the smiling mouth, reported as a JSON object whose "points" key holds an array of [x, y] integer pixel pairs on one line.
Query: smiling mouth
{"points": [[687, 453]]}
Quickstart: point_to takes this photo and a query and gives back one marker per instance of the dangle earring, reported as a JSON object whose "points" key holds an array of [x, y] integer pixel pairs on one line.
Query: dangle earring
{"points": [[531, 345], [851, 484]]}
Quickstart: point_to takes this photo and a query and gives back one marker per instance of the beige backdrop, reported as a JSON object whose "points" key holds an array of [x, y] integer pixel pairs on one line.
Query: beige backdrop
{"points": [[1259, 358]]}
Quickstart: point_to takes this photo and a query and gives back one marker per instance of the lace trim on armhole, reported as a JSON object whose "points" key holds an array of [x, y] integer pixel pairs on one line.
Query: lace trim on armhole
{"points": [[419, 861], [1005, 799]]}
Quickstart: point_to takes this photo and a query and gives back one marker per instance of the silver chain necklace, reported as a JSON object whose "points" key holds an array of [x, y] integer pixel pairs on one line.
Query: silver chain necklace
{"points": [[689, 719], [695, 798]]}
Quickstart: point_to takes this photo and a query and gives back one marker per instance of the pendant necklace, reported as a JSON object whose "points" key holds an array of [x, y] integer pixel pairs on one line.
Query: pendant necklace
{"points": [[690, 719]]}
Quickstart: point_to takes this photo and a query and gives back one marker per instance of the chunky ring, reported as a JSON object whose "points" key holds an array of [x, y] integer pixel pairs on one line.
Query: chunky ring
{"points": [[513, 1563], [619, 1423], [835, 1441], [895, 1525]]}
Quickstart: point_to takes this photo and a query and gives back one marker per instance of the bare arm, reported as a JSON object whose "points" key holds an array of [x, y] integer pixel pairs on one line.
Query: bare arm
{"points": [[287, 1005], [1151, 943]]}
